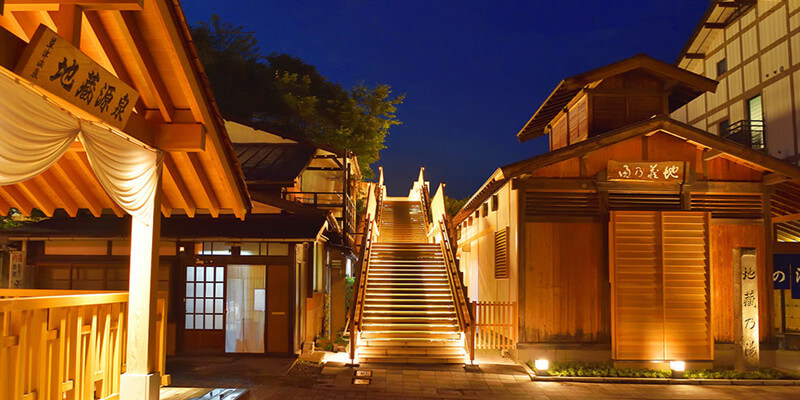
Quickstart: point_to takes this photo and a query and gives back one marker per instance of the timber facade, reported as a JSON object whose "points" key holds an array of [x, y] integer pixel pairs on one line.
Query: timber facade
{"points": [[621, 242]]}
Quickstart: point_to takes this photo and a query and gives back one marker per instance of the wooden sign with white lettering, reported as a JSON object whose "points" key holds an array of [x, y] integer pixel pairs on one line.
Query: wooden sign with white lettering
{"points": [[53, 63], [644, 171]]}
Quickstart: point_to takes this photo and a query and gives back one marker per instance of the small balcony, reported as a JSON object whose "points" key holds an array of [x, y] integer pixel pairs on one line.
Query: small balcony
{"points": [[748, 133]]}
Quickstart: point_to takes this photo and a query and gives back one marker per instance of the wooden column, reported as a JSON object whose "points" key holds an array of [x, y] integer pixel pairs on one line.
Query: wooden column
{"points": [[140, 381]]}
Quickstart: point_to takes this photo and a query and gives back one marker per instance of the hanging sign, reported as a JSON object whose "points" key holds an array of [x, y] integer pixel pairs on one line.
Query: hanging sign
{"points": [[795, 280], [643, 171], [53, 63], [782, 270], [16, 276]]}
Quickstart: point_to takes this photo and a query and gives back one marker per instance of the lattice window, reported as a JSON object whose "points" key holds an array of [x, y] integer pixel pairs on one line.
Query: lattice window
{"points": [[501, 254], [205, 296], [556, 203]]}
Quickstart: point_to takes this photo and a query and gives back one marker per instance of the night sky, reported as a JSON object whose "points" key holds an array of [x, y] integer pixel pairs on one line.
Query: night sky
{"points": [[473, 72]]}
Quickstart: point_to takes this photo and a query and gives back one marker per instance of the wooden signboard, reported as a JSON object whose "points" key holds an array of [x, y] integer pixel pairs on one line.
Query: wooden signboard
{"points": [[643, 171], [748, 351], [56, 65]]}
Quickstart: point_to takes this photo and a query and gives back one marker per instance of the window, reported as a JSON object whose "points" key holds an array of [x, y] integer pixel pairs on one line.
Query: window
{"points": [[755, 117], [501, 254], [495, 202], [205, 289], [485, 209], [215, 249], [722, 66]]}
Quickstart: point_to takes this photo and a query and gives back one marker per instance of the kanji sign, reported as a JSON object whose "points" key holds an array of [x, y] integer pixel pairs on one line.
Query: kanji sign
{"points": [[748, 295], [795, 280], [56, 65], [644, 171], [782, 270], [16, 276]]}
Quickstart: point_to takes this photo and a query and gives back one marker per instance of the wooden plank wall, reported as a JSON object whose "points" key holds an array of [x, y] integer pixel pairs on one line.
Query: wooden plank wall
{"points": [[566, 290]]}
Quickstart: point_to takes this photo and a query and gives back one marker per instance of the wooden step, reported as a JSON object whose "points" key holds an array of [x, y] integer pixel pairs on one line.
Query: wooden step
{"points": [[407, 334]]}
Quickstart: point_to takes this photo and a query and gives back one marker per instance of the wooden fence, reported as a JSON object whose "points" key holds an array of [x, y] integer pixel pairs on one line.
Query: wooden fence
{"points": [[495, 324], [62, 344]]}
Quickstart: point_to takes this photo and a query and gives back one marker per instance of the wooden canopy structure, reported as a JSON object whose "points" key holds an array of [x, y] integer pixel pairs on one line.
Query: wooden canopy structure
{"points": [[146, 44], [780, 177], [681, 87]]}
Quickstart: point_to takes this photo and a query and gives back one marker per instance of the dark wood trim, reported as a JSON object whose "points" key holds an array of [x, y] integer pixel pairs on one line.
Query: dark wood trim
{"points": [[768, 265], [521, 264]]}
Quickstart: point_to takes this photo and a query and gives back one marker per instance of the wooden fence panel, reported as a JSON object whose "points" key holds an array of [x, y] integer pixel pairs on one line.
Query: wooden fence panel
{"points": [[495, 325], [62, 345]]}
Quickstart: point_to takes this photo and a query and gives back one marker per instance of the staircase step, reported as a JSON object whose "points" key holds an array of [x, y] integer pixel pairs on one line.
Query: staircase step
{"points": [[409, 334], [440, 351]]}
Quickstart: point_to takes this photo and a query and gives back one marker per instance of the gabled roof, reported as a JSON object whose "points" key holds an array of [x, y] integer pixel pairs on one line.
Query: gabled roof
{"points": [[698, 137], [687, 86], [274, 163]]}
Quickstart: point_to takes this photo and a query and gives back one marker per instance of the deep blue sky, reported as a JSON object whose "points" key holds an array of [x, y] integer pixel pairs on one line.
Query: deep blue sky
{"points": [[473, 71]]}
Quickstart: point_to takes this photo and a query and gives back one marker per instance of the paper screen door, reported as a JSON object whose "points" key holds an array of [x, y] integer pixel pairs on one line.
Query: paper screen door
{"points": [[246, 308]]}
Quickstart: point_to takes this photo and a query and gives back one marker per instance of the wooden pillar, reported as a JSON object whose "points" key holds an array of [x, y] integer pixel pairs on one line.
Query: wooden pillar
{"points": [[745, 288], [140, 381]]}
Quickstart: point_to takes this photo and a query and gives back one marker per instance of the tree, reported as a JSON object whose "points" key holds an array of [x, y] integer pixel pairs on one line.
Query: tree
{"points": [[454, 205], [290, 96]]}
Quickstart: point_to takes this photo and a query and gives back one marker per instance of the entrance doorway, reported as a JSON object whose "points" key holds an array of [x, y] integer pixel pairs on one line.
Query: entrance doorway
{"points": [[245, 311]]}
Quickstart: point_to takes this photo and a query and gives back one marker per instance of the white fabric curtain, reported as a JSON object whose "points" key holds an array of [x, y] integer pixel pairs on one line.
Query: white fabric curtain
{"points": [[128, 172], [35, 133]]}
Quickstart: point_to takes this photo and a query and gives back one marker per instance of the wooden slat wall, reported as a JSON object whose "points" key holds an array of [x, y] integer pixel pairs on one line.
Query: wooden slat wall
{"points": [[661, 307], [579, 121], [495, 324], [566, 285], [501, 254]]}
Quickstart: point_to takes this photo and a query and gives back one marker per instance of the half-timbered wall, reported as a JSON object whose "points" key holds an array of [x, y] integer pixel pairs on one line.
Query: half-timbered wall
{"points": [[477, 249], [762, 53]]}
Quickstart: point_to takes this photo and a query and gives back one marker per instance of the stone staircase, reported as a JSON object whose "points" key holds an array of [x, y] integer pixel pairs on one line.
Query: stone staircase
{"points": [[409, 314]]}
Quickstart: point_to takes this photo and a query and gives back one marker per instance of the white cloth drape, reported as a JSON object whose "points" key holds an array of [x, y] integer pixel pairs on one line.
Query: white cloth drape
{"points": [[128, 172], [35, 133]]}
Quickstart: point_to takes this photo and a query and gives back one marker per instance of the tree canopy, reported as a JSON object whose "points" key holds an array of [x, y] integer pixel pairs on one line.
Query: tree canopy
{"points": [[290, 96]]}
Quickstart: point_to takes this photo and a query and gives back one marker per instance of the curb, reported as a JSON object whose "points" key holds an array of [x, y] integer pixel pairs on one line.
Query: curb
{"points": [[665, 381]]}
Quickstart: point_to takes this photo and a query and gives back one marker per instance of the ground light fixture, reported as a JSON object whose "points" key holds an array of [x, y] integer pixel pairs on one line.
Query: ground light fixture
{"points": [[677, 367], [541, 366]]}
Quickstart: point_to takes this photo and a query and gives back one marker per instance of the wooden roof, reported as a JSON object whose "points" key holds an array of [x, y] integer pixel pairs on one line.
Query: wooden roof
{"points": [[684, 86], [276, 163], [718, 15], [787, 174], [145, 43]]}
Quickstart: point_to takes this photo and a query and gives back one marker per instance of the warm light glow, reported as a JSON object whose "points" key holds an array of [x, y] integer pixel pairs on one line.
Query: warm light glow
{"points": [[181, 249], [541, 365], [678, 366]]}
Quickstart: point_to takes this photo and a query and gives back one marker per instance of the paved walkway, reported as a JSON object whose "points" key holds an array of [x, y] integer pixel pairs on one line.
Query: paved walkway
{"points": [[264, 378]]}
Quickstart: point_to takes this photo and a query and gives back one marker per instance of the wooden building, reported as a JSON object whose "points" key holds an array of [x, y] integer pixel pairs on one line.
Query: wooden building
{"points": [[624, 242]]}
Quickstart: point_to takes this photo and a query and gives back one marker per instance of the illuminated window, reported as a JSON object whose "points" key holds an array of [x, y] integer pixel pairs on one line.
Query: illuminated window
{"points": [[205, 290], [215, 249]]}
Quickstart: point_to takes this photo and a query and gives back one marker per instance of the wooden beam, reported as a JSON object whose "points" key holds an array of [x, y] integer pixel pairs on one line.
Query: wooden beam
{"points": [[51, 5], [76, 186], [714, 25], [774, 179], [198, 173], [153, 87], [39, 199], [53, 185], [180, 137], [785, 218], [554, 184], [11, 24], [16, 199], [68, 23], [172, 175], [711, 154], [694, 56]]}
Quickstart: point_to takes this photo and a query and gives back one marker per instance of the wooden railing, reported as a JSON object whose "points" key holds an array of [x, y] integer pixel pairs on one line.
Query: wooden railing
{"points": [[495, 325], [464, 311], [360, 272], [63, 344]]}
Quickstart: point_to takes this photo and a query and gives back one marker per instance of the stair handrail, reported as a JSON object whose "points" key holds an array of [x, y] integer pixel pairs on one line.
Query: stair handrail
{"points": [[371, 233], [463, 305]]}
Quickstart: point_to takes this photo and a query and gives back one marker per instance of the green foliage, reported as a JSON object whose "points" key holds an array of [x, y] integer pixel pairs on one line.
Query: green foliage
{"points": [[349, 284], [575, 368], [762, 373], [292, 97], [454, 205], [15, 218]]}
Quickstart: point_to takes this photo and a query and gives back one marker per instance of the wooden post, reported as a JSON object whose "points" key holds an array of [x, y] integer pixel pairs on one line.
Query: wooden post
{"points": [[745, 287], [141, 381]]}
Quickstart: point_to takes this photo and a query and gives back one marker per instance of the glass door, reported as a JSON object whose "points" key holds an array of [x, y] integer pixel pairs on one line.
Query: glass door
{"points": [[755, 115], [245, 312]]}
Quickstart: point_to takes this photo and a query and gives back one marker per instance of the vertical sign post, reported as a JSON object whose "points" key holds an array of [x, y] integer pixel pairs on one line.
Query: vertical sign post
{"points": [[16, 275], [746, 291]]}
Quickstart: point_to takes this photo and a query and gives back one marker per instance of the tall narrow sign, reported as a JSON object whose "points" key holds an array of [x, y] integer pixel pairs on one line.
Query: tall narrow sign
{"points": [[782, 268], [56, 65], [748, 341], [795, 278]]}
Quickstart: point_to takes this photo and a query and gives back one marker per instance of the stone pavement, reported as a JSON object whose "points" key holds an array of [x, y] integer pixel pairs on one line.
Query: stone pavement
{"points": [[263, 377]]}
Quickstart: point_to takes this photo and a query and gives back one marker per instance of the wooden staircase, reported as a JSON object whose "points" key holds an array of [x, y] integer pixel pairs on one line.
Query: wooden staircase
{"points": [[409, 314]]}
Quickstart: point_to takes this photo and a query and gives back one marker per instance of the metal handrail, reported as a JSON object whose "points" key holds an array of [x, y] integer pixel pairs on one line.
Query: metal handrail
{"points": [[747, 132]]}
